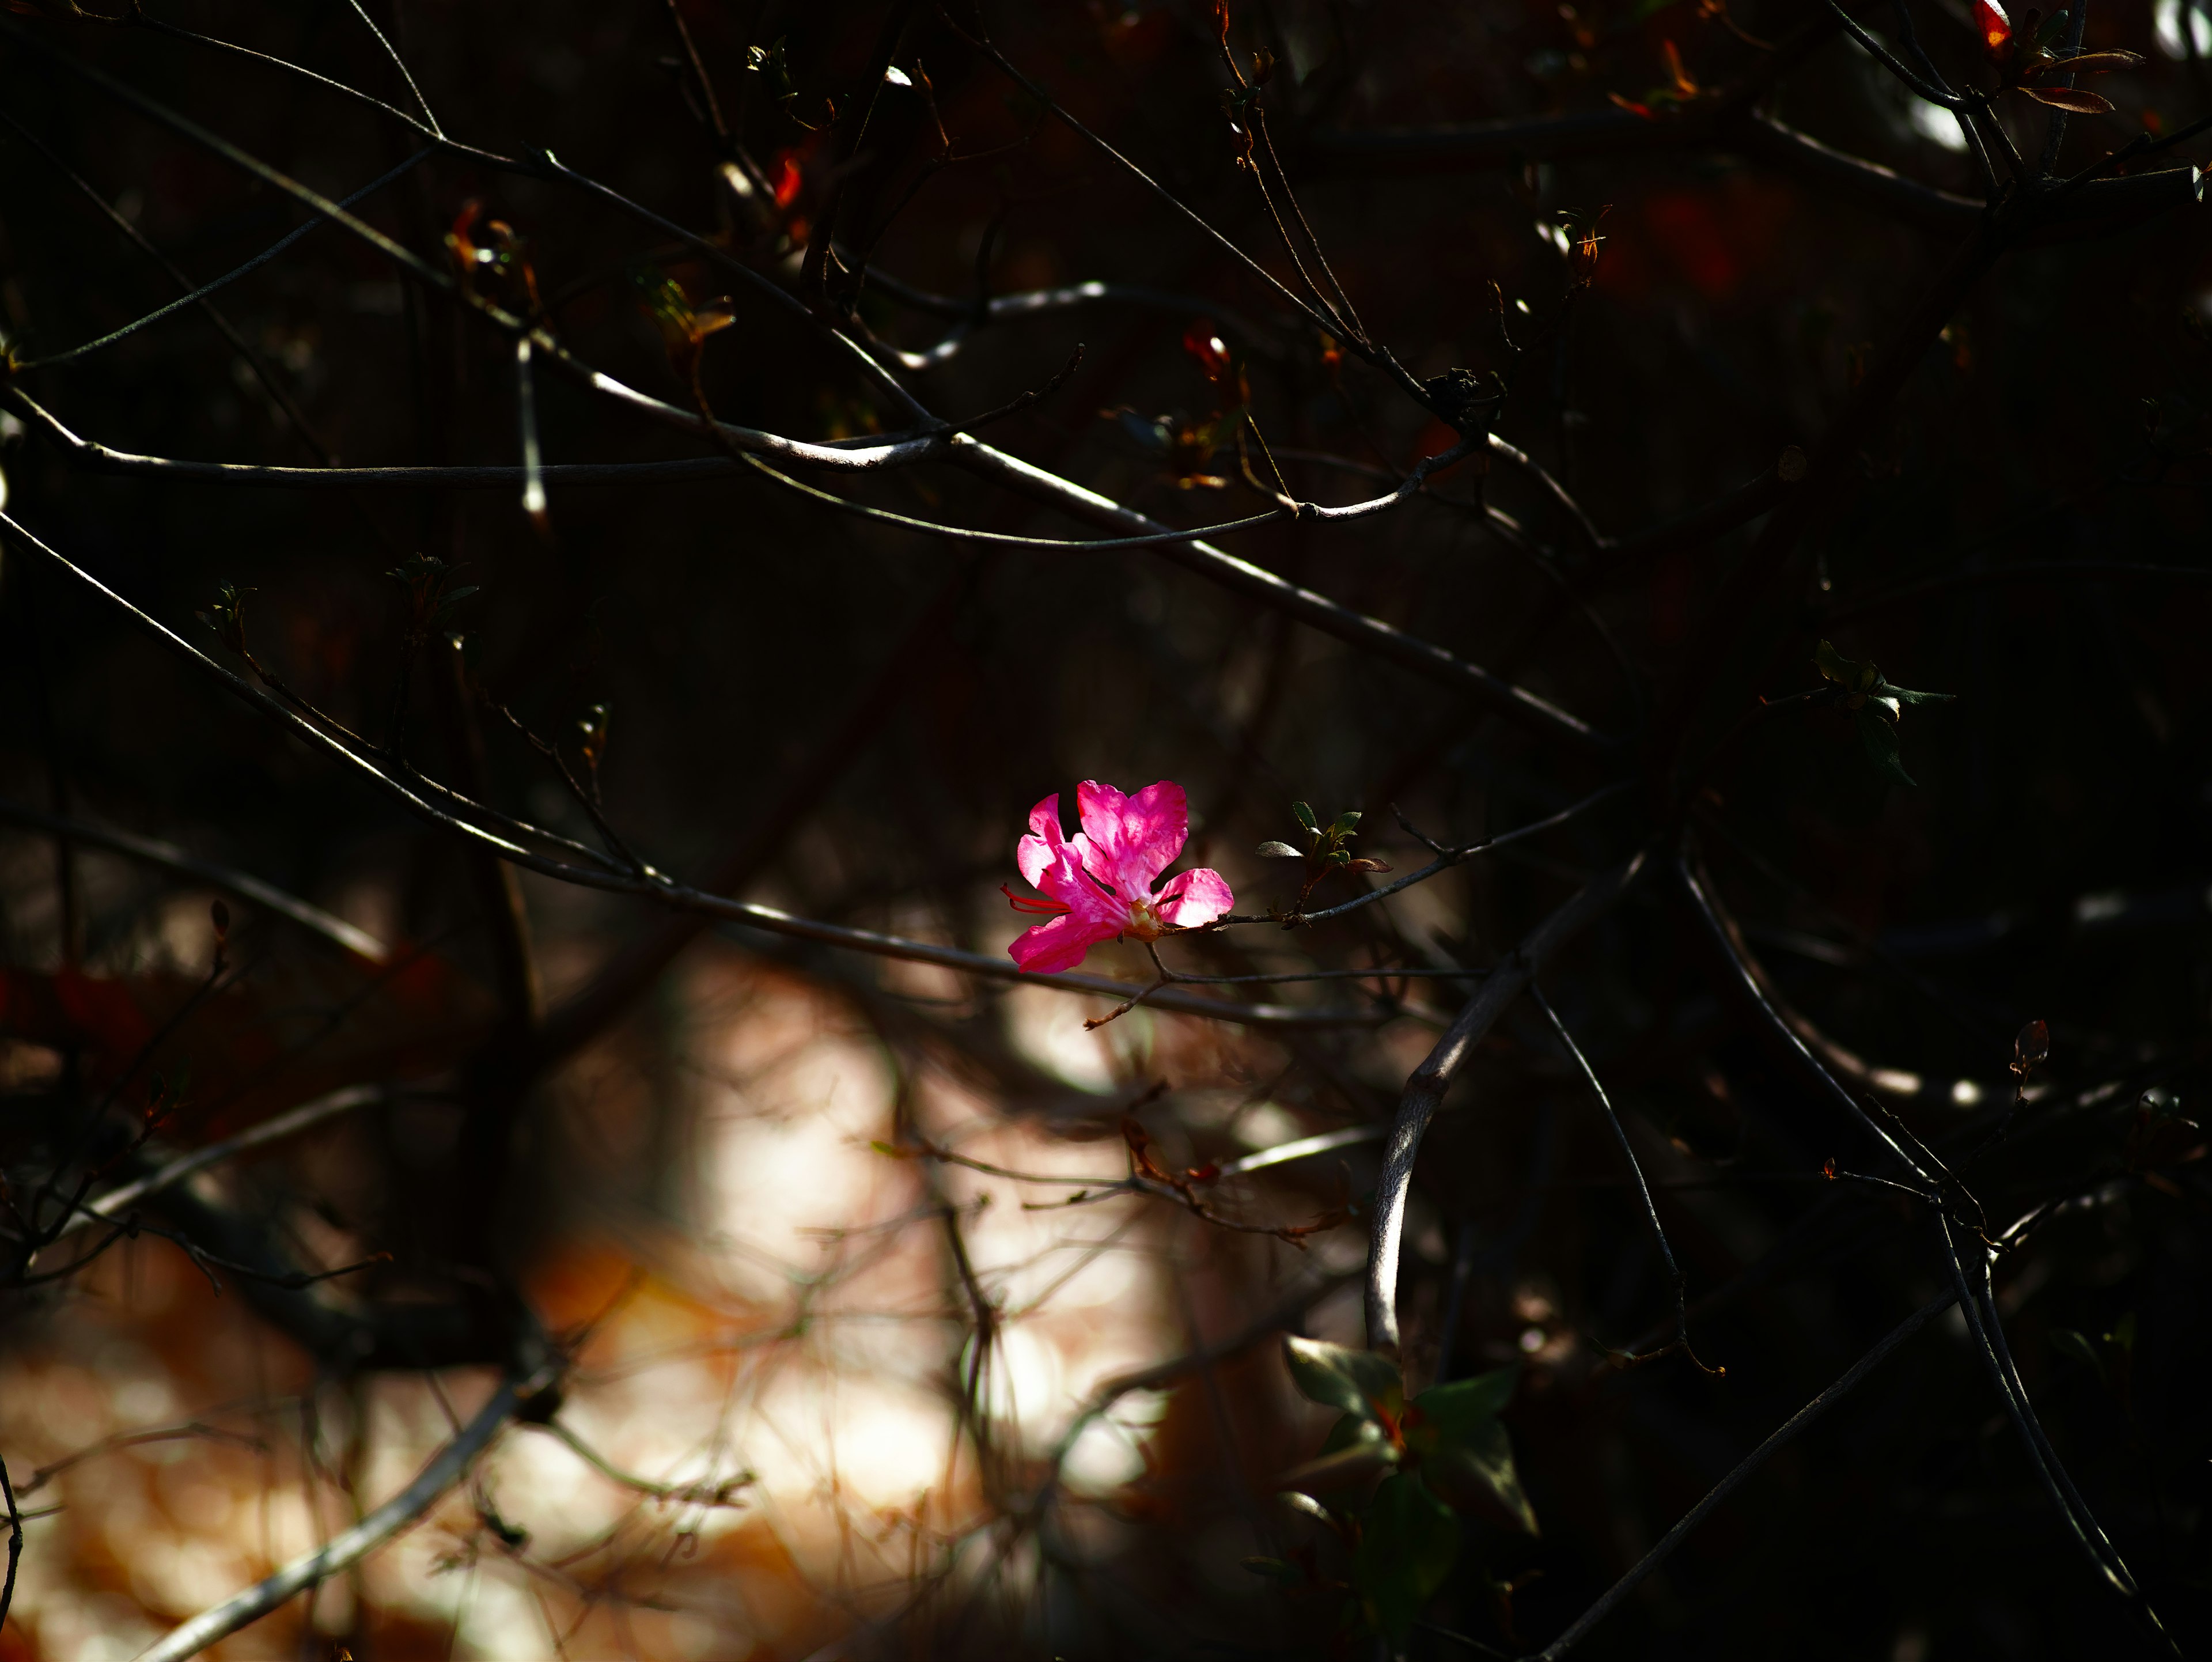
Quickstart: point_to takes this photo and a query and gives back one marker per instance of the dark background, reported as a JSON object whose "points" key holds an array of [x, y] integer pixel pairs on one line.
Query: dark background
{"points": [[2052, 862]]}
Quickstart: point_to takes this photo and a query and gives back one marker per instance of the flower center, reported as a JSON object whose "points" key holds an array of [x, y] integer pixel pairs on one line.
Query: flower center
{"points": [[1144, 922]]}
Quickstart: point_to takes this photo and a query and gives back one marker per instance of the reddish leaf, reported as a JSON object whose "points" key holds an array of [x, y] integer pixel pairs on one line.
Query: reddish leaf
{"points": [[787, 178], [1995, 30], [2032, 1049], [1203, 342]]}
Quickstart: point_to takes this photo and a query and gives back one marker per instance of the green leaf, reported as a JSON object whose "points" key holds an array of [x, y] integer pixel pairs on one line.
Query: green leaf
{"points": [[1408, 1542], [1336, 1376], [1151, 435], [1348, 1467], [1847, 673], [1274, 1569], [1906, 696], [1454, 1411], [2124, 1333], [1342, 826], [1291, 1501], [1479, 1467], [2067, 1341], [1880, 739], [1305, 816]]}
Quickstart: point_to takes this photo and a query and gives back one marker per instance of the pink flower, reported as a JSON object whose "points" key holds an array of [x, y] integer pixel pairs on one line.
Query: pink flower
{"points": [[1100, 880]]}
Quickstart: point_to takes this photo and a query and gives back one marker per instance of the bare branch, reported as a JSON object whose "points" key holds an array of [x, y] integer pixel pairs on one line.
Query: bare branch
{"points": [[1424, 1090], [349, 1547], [169, 857]]}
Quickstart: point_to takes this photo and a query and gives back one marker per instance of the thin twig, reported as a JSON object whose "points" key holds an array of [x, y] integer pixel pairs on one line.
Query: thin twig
{"points": [[1751, 1463], [1636, 1171]]}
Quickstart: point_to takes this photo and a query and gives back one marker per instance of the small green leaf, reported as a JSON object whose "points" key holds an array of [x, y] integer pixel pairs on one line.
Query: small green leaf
{"points": [[1480, 1467], [2124, 1333], [1349, 1467], [2067, 1341], [1408, 1542], [1880, 739], [1151, 435], [1274, 850], [1337, 1376], [1455, 1410], [1305, 816], [1847, 673], [1342, 826], [1291, 1501], [1339, 856], [1274, 1569]]}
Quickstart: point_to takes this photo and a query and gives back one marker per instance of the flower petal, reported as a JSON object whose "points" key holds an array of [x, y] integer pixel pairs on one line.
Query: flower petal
{"points": [[1193, 898], [1036, 852], [1132, 838], [1059, 945]]}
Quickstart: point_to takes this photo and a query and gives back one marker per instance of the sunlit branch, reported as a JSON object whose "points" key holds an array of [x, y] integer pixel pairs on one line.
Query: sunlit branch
{"points": [[704, 1492]]}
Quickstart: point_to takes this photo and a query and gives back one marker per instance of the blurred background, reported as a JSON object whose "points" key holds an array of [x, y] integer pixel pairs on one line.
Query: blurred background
{"points": [[865, 1346]]}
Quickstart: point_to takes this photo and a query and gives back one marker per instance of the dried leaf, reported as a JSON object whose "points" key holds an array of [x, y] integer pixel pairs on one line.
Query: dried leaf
{"points": [[2096, 62], [2072, 99]]}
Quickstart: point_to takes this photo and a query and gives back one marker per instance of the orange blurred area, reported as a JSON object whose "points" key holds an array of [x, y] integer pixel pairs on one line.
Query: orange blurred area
{"points": [[760, 1445]]}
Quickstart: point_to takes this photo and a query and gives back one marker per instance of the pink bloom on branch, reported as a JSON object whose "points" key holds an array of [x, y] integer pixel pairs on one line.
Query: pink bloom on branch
{"points": [[1099, 883]]}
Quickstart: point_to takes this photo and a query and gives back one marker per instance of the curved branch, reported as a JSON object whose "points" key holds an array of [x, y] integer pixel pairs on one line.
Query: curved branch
{"points": [[1425, 1088], [169, 857]]}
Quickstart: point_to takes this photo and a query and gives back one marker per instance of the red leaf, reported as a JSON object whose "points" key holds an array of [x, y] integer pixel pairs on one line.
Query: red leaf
{"points": [[787, 179], [1995, 30], [1204, 343]]}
